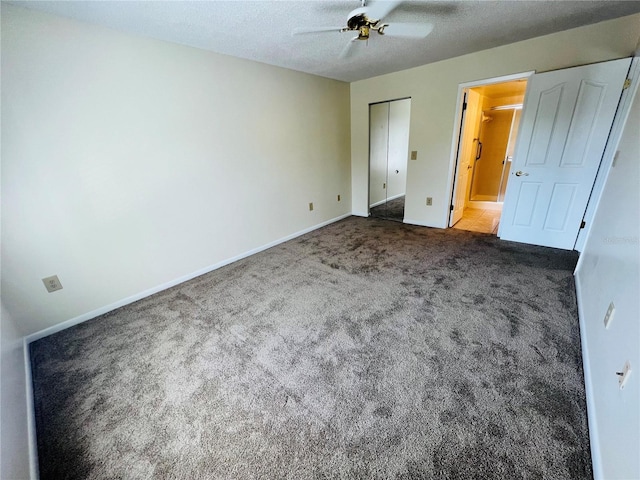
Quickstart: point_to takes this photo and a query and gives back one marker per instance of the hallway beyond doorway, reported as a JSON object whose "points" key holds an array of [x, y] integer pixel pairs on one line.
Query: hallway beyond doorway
{"points": [[480, 220]]}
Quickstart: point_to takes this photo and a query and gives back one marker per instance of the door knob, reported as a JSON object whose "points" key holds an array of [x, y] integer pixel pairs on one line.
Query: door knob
{"points": [[397, 171], [520, 173]]}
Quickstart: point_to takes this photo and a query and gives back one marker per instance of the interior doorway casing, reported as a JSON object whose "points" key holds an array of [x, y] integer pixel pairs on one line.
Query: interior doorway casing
{"points": [[458, 125]]}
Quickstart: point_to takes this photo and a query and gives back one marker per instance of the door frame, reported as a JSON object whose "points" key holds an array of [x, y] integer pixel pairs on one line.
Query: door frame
{"points": [[458, 133]]}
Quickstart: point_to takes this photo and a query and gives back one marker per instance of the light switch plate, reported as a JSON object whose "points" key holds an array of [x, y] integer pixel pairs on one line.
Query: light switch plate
{"points": [[608, 317], [414, 154]]}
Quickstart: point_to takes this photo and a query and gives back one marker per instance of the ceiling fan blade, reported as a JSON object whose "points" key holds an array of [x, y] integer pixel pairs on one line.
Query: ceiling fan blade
{"points": [[348, 49], [302, 31], [414, 30], [380, 9]]}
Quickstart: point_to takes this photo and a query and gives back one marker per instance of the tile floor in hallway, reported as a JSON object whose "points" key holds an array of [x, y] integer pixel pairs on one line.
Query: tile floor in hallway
{"points": [[479, 220]]}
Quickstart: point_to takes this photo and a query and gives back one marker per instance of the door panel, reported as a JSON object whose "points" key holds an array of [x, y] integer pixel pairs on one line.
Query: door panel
{"points": [[399, 118], [582, 128], [378, 146], [565, 124], [561, 202], [467, 147]]}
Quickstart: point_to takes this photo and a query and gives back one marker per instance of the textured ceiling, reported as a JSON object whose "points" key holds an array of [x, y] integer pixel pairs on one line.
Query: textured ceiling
{"points": [[261, 30]]}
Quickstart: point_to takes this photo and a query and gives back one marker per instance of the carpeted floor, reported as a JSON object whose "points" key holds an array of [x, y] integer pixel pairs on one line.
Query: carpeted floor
{"points": [[391, 210], [366, 349]]}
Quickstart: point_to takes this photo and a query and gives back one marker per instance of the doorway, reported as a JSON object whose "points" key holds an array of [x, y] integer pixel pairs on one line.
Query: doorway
{"points": [[388, 149], [486, 144]]}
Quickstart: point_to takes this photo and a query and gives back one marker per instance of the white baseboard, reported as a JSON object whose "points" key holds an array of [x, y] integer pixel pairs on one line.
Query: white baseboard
{"points": [[34, 473], [138, 296], [33, 446], [484, 205], [395, 196], [385, 200], [596, 460], [417, 222]]}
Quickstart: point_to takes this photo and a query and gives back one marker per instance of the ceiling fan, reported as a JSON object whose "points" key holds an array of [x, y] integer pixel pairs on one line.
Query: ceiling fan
{"points": [[369, 18]]}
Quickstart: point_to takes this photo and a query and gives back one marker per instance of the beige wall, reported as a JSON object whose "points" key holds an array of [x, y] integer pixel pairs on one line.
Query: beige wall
{"points": [[433, 90], [129, 162]]}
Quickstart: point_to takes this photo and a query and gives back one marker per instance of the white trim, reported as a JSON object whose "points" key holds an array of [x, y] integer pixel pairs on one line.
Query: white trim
{"points": [[388, 199], [453, 161], [594, 443], [502, 79], [484, 205], [619, 121], [31, 417], [138, 296], [419, 223], [395, 196], [360, 214]]}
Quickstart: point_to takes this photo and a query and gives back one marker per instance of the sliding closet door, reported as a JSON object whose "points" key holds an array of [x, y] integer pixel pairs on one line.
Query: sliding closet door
{"points": [[399, 115], [378, 148]]}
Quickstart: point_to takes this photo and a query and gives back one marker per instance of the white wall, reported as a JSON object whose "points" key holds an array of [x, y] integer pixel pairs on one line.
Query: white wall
{"points": [[433, 90], [14, 449], [609, 270], [129, 162]]}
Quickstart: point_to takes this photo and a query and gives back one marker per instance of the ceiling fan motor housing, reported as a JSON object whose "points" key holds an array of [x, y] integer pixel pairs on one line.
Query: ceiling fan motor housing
{"points": [[358, 21]]}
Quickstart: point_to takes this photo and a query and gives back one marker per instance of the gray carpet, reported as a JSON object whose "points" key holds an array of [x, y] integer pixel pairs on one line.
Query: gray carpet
{"points": [[363, 350], [391, 210]]}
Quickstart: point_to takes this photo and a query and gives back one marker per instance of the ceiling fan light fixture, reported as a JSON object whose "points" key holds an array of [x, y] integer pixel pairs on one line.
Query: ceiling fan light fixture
{"points": [[366, 19], [355, 22]]}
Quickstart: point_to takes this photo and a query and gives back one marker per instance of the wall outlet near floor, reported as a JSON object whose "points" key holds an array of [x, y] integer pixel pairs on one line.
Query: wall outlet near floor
{"points": [[623, 376], [608, 317], [338, 197], [52, 283], [414, 154], [311, 206], [429, 201]]}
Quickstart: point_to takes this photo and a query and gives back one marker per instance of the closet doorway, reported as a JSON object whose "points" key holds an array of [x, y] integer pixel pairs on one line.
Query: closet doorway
{"points": [[388, 151], [487, 141]]}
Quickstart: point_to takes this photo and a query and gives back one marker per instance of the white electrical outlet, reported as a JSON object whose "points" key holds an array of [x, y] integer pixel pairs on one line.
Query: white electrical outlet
{"points": [[623, 376], [429, 201], [608, 317], [52, 283]]}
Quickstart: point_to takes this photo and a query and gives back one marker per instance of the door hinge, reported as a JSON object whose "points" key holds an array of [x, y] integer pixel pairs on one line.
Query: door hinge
{"points": [[464, 106], [582, 224], [627, 84], [451, 208]]}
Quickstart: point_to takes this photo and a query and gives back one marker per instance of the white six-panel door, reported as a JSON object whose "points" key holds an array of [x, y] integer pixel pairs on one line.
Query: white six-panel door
{"points": [[565, 124]]}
